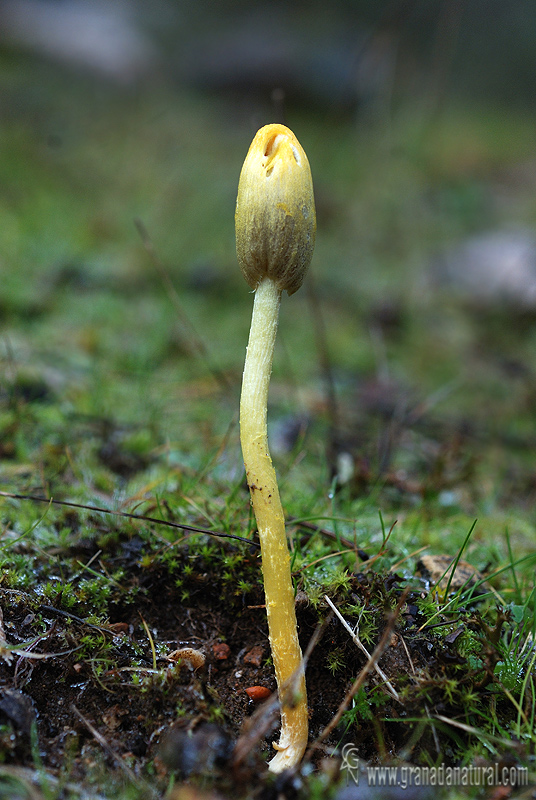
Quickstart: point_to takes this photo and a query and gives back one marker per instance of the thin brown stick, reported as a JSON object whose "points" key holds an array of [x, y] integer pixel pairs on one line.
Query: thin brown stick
{"points": [[413, 672], [142, 517], [99, 738], [262, 720], [255, 728], [311, 526], [51, 610], [357, 641], [369, 666]]}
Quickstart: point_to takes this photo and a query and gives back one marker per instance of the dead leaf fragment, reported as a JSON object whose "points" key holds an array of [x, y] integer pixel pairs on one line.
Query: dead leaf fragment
{"points": [[437, 569]]}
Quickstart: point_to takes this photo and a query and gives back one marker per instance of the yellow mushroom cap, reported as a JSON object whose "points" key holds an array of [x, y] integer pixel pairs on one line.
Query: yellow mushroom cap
{"points": [[275, 216]]}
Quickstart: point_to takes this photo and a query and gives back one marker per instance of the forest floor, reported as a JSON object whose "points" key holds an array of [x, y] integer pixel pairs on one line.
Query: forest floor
{"points": [[402, 429]]}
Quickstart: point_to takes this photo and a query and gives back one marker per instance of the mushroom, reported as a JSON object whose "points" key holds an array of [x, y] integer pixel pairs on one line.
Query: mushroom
{"points": [[275, 234]]}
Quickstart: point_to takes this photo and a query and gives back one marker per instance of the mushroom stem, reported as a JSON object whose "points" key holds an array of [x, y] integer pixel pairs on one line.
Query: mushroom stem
{"points": [[262, 482]]}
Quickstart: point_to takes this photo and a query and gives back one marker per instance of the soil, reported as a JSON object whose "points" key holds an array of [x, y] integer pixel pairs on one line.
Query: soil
{"points": [[103, 702], [68, 696]]}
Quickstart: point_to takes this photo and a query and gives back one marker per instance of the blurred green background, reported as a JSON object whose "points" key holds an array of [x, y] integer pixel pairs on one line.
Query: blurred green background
{"points": [[396, 375]]}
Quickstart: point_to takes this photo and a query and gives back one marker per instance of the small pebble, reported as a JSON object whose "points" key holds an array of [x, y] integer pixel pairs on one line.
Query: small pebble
{"points": [[221, 651], [254, 656], [258, 693]]}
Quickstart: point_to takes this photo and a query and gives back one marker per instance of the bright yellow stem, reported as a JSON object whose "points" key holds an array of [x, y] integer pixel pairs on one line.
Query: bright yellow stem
{"points": [[262, 484]]}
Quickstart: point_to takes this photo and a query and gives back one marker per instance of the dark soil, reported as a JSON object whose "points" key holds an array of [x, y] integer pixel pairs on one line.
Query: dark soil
{"points": [[100, 706]]}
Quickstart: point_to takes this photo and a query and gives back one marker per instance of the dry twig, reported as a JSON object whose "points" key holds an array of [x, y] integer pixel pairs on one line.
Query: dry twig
{"points": [[99, 738], [380, 647], [262, 720], [142, 517], [355, 638]]}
